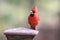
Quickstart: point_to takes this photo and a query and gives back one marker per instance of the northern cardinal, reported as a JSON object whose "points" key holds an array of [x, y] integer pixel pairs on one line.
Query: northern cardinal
{"points": [[33, 18]]}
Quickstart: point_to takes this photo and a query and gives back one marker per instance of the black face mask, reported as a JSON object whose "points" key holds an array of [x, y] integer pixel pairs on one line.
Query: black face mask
{"points": [[32, 14]]}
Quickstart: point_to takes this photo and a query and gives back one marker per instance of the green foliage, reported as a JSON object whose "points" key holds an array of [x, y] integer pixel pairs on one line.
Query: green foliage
{"points": [[14, 2], [5, 18]]}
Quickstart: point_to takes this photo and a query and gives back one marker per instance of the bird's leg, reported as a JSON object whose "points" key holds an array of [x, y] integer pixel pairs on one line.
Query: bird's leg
{"points": [[33, 27]]}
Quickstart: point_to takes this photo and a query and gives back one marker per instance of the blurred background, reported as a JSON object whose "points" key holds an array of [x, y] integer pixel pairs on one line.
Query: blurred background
{"points": [[14, 13]]}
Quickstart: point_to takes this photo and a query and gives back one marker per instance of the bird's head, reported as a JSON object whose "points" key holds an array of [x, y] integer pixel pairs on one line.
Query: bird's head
{"points": [[33, 11]]}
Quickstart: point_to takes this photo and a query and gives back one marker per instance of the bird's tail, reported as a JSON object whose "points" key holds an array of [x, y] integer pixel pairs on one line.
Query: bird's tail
{"points": [[33, 27]]}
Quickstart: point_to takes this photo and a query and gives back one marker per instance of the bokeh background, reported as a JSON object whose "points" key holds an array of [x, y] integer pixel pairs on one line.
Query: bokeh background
{"points": [[14, 13]]}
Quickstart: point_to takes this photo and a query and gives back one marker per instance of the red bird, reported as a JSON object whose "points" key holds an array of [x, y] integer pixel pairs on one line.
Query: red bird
{"points": [[33, 18]]}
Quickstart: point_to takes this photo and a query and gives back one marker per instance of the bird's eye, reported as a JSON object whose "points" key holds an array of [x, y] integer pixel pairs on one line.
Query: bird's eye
{"points": [[33, 11]]}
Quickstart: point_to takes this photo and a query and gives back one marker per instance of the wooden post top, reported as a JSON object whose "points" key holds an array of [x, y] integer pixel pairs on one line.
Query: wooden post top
{"points": [[20, 31]]}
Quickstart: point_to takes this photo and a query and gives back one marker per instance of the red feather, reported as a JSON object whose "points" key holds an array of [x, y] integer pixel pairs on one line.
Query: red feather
{"points": [[34, 20]]}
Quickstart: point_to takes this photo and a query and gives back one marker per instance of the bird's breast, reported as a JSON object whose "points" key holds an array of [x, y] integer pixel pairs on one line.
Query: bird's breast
{"points": [[33, 21]]}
